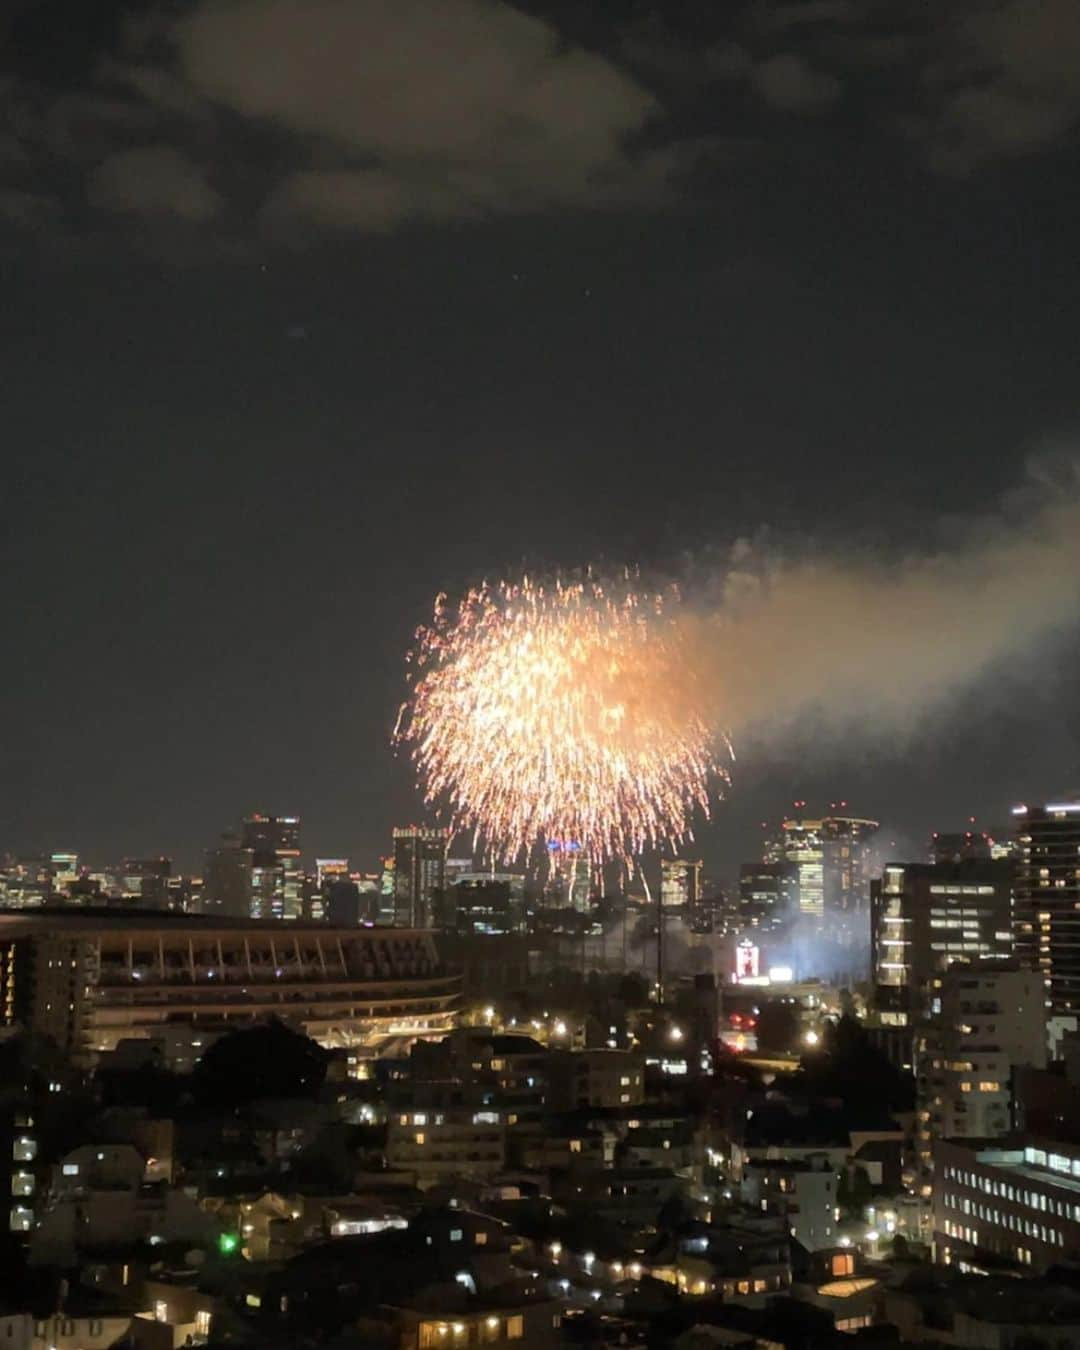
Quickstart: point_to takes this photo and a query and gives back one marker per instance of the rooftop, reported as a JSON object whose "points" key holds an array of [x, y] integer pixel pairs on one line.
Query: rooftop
{"points": [[50, 919]]}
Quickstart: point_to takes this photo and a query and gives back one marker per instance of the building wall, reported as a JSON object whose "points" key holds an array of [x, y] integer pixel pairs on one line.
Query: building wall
{"points": [[594, 1078], [1020, 1204], [990, 1023], [1047, 908], [446, 1145], [924, 916], [803, 1195]]}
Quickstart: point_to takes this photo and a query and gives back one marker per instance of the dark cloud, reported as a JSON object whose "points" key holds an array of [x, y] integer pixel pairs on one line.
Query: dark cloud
{"points": [[28, 210], [787, 82], [155, 181], [290, 118], [446, 108]]}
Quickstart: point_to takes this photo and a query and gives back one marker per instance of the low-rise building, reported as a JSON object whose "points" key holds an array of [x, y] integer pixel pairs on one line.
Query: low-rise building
{"points": [[450, 1144], [803, 1193], [595, 1078], [983, 1313], [997, 1203]]}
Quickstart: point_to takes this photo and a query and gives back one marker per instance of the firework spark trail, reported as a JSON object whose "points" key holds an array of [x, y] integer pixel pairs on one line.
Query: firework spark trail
{"points": [[564, 714]]}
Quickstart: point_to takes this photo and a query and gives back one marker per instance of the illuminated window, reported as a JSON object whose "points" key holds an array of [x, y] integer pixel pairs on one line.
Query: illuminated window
{"points": [[843, 1264], [575, 1145], [515, 1327], [21, 1219], [419, 1136], [161, 1311], [202, 1322], [480, 1238]]}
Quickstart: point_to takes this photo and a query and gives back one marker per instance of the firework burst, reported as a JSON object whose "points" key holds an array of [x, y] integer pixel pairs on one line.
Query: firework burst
{"points": [[563, 714]]}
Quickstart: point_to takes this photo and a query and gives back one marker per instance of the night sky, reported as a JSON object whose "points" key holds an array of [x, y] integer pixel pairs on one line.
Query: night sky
{"points": [[312, 309]]}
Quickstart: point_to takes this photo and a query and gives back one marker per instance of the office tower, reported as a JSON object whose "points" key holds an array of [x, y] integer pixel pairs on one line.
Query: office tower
{"points": [[65, 870], [680, 882], [419, 873], [330, 869], [800, 843], [387, 891], [848, 862], [276, 880], [834, 861], [146, 880], [768, 894], [923, 916], [991, 1021], [227, 883], [1047, 904], [343, 906], [960, 846]]}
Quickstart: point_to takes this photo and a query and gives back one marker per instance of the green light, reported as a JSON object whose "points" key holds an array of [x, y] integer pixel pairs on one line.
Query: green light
{"points": [[228, 1243]]}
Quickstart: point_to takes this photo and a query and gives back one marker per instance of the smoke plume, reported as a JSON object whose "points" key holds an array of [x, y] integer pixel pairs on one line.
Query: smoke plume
{"points": [[875, 647]]}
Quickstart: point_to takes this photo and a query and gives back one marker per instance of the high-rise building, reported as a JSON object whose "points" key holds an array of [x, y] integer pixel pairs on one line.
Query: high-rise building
{"points": [[960, 846], [227, 882], [991, 1021], [481, 905], [1047, 901], [800, 843], [848, 862], [419, 872], [768, 894], [330, 869], [276, 879], [680, 882], [344, 906], [146, 880], [923, 916]]}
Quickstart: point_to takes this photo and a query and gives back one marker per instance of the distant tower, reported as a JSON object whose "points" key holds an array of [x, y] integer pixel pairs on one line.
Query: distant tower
{"points": [[276, 880], [419, 872], [800, 843], [847, 845], [227, 882]]}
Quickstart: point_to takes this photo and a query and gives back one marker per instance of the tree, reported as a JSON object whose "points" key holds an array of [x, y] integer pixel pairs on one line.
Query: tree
{"points": [[854, 1192], [777, 1026], [266, 1061], [633, 990], [848, 1066]]}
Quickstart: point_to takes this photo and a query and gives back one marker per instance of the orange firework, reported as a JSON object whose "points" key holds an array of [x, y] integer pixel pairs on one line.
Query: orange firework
{"points": [[565, 714]]}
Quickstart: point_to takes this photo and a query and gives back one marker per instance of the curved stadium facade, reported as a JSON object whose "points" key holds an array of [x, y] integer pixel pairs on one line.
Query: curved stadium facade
{"points": [[89, 979]]}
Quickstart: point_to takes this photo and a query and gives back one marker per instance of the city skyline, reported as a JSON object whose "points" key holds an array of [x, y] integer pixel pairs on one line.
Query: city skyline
{"points": [[758, 843]]}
